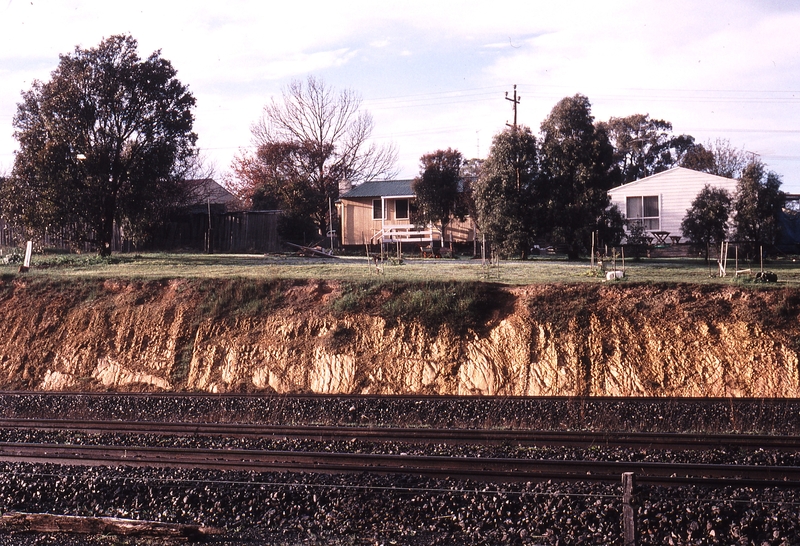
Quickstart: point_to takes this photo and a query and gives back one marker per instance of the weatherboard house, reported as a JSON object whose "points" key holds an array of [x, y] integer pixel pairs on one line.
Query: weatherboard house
{"points": [[660, 201], [380, 212]]}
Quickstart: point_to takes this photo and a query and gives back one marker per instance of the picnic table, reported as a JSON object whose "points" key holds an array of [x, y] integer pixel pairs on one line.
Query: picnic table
{"points": [[661, 237]]}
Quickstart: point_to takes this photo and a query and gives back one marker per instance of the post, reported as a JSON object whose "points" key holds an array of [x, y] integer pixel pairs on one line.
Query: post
{"points": [[628, 530], [330, 222], [26, 264]]}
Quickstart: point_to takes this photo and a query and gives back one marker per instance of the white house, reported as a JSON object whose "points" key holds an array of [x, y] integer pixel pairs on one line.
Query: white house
{"points": [[660, 201]]}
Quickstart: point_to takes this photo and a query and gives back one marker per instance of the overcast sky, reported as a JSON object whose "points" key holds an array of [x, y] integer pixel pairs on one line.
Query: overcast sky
{"points": [[434, 74]]}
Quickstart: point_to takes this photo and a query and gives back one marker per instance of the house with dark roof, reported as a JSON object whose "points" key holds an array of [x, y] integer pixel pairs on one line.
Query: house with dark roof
{"points": [[380, 212]]}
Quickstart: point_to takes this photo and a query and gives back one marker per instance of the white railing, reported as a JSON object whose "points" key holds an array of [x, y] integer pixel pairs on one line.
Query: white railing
{"points": [[406, 233]]}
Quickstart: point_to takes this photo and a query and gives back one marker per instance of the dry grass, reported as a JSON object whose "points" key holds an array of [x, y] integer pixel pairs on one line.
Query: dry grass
{"points": [[513, 272]]}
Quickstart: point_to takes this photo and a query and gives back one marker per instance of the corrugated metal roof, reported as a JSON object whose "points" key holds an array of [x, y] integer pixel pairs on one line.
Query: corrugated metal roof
{"points": [[380, 188]]}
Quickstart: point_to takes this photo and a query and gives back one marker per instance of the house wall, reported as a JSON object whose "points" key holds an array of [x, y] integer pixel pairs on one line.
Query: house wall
{"points": [[676, 189], [460, 232], [358, 225]]}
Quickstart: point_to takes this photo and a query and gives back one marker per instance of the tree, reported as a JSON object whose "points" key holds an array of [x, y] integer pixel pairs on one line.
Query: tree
{"points": [[106, 140], [439, 189], [306, 145], [757, 205], [706, 221], [718, 157], [577, 162], [644, 146], [508, 195]]}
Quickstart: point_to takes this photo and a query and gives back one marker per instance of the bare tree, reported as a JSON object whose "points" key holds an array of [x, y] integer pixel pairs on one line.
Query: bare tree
{"points": [[718, 157], [324, 139]]}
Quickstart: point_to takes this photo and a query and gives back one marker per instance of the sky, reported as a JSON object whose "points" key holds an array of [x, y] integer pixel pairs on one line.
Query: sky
{"points": [[435, 74]]}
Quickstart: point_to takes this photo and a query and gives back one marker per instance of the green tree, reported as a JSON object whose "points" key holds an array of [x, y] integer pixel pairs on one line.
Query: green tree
{"points": [[706, 221], [644, 146], [439, 189], [508, 198], [757, 204], [107, 140], [306, 145], [577, 162]]}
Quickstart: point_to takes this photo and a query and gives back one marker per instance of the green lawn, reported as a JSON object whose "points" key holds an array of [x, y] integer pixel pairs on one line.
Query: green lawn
{"points": [[512, 272]]}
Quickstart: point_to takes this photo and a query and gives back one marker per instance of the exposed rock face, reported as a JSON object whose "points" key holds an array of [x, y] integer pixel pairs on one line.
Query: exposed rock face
{"points": [[603, 340]]}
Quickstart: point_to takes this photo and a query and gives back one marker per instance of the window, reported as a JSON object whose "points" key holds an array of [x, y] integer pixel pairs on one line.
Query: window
{"points": [[645, 210], [377, 209], [401, 209]]}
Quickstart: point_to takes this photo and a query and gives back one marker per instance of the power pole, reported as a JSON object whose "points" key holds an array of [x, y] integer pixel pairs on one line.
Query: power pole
{"points": [[515, 100]]}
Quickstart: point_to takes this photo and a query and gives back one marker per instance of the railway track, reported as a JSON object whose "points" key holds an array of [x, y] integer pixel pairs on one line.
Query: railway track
{"points": [[473, 468], [477, 468], [643, 440]]}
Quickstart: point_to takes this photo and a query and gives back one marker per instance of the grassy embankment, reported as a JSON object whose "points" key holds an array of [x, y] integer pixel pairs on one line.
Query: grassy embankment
{"points": [[512, 272]]}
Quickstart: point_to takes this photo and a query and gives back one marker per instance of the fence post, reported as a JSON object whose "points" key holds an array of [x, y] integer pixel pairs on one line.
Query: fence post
{"points": [[628, 534]]}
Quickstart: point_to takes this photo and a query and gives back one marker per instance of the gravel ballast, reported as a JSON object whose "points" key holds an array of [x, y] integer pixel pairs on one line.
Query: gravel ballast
{"points": [[294, 508]]}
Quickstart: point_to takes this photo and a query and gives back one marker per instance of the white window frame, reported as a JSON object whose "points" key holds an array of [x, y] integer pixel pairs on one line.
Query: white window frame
{"points": [[651, 223]]}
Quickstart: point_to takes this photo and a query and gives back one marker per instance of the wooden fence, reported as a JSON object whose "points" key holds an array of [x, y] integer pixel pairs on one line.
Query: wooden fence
{"points": [[245, 231]]}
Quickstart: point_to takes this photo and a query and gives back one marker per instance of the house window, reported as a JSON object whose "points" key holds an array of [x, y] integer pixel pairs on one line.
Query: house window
{"points": [[377, 209], [644, 209], [401, 209]]}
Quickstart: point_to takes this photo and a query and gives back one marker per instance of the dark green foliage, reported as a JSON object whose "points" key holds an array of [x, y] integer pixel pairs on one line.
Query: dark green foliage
{"points": [[645, 146], [509, 195], [438, 189], [107, 140], [459, 306], [706, 221], [577, 161], [759, 200]]}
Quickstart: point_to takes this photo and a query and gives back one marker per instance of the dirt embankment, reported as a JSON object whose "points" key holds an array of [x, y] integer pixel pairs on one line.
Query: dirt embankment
{"points": [[285, 336]]}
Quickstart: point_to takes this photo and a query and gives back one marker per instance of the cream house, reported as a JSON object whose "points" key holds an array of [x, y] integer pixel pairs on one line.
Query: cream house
{"points": [[660, 201]]}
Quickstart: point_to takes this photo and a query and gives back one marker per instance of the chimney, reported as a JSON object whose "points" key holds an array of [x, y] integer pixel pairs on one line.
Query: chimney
{"points": [[345, 186]]}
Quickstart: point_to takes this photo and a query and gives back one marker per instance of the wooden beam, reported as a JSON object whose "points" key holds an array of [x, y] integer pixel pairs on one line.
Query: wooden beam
{"points": [[53, 523]]}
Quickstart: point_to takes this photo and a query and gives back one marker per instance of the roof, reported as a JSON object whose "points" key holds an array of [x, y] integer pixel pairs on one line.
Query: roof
{"points": [[381, 188], [673, 176], [207, 191]]}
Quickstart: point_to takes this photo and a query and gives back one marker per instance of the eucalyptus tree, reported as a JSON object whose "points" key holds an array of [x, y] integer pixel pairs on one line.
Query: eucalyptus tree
{"points": [[577, 163], [757, 205], [509, 199]]}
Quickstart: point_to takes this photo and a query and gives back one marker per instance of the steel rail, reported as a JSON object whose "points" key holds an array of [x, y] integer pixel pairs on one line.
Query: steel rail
{"points": [[417, 434], [475, 468]]}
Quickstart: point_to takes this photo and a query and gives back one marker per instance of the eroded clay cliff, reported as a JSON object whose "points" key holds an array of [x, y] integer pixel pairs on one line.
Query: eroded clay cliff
{"points": [[590, 339]]}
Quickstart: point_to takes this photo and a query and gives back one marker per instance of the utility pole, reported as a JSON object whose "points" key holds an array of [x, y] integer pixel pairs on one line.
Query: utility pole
{"points": [[515, 100]]}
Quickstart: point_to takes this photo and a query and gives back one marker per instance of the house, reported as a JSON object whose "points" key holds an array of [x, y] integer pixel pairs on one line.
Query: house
{"points": [[380, 212], [660, 201]]}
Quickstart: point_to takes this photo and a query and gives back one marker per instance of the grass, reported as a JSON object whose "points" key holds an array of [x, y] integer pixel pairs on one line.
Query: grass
{"points": [[512, 272], [460, 305]]}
